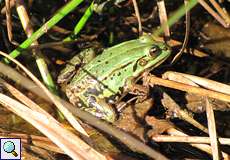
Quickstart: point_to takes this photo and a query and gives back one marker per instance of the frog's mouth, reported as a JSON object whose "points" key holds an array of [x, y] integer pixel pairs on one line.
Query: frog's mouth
{"points": [[157, 61], [149, 67], [161, 61]]}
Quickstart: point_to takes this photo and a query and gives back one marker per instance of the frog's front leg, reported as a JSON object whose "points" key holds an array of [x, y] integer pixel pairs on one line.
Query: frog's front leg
{"points": [[136, 89], [131, 87], [74, 64]]}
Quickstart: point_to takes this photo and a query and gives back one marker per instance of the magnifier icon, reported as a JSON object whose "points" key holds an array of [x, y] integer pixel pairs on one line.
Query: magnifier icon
{"points": [[9, 147]]}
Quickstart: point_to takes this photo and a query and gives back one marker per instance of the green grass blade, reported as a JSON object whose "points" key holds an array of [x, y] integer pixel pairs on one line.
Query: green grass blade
{"points": [[176, 16], [81, 23], [55, 19]]}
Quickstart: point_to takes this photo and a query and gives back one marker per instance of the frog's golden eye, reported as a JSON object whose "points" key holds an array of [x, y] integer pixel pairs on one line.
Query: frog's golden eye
{"points": [[154, 51]]}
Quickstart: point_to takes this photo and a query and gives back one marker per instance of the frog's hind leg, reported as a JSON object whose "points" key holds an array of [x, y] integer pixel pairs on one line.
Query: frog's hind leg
{"points": [[101, 109]]}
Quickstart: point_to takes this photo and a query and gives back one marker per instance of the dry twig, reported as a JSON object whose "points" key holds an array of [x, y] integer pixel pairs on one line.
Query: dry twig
{"points": [[187, 30], [212, 130], [138, 16], [172, 131], [213, 13], [172, 106], [188, 139], [163, 19], [187, 88], [197, 81]]}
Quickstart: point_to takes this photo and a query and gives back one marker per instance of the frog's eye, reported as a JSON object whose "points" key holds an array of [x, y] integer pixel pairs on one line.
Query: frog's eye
{"points": [[154, 51]]}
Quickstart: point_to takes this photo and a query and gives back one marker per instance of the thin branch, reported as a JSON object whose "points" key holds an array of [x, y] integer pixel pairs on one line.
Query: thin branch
{"points": [[212, 130], [138, 16], [186, 38], [187, 88], [163, 19]]}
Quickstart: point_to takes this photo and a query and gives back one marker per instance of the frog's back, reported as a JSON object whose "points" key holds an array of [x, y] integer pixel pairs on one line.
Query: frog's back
{"points": [[114, 57]]}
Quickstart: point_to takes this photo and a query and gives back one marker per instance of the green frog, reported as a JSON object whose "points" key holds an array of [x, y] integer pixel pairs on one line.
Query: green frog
{"points": [[96, 83]]}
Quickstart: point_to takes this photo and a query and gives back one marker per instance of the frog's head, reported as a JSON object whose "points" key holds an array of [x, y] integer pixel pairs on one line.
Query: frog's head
{"points": [[153, 54], [157, 53]]}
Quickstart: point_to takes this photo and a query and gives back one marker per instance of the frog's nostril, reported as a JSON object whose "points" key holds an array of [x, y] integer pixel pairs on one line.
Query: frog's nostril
{"points": [[142, 62]]}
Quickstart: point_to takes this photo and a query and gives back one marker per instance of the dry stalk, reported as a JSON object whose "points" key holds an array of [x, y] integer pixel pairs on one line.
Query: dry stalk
{"points": [[212, 130], [163, 19], [188, 139], [137, 13], [187, 88]]}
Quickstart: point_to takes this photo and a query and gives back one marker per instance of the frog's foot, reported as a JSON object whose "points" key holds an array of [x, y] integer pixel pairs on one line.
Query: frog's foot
{"points": [[101, 115]]}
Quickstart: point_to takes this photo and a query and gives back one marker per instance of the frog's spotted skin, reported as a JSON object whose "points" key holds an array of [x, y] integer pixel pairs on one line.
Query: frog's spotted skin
{"points": [[101, 80], [70, 70]]}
